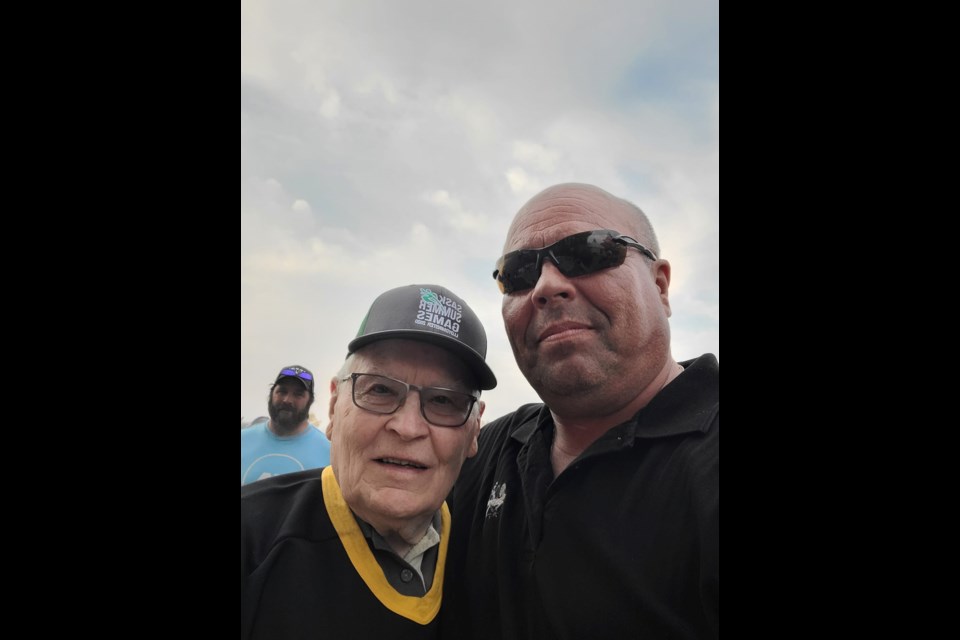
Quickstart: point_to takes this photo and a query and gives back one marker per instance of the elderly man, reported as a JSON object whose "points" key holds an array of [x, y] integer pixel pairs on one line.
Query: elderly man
{"points": [[359, 549], [597, 513]]}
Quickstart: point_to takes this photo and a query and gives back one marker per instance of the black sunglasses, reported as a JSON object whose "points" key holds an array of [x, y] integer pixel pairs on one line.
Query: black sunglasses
{"points": [[297, 372], [575, 255]]}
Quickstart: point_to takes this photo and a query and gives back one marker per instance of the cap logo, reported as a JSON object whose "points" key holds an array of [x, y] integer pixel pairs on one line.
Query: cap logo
{"points": [[440, 313]]}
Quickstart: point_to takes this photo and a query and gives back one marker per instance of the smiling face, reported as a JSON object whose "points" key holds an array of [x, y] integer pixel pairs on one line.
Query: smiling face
{"points": [[587, 344], [398, 468]]}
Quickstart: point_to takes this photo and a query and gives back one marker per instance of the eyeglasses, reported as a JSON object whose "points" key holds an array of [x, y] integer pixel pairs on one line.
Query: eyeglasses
{"points": [[297, 372], [440, 407], [575, 255]]}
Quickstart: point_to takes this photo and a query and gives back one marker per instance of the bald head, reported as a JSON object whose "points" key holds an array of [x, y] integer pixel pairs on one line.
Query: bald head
{"points": [[589, 203], [595, 343]]}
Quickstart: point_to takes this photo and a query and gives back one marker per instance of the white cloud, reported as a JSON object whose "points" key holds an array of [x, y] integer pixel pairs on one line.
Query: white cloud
{"points": [[536, 156], [376, 84], [330, 107], [454, 214], [520, 182], [301, 206], [387, 143]]}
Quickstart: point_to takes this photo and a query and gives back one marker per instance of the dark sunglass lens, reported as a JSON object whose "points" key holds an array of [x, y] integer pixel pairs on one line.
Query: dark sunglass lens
{"points": [[518, 272], [525, 275], [298, 373], [585, 253], [575, 255], [605, 254]]}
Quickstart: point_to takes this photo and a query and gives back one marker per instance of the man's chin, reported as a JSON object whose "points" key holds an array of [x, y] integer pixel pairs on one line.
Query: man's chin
{"points": [[570, 377]]}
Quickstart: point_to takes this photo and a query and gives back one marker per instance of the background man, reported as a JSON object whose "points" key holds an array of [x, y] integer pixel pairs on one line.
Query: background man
{"points": [[288, 442]]}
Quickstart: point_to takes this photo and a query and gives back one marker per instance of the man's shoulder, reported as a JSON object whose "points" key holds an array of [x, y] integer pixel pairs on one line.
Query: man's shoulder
{"points": [[278, 509], [284, 505], [283, 489], [253, 432], [496, 444], [316, 434], [707, 366], [506, 425]]}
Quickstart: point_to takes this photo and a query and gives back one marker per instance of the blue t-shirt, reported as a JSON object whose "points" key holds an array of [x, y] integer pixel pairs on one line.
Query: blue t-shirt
{"points": [[264, 454]]}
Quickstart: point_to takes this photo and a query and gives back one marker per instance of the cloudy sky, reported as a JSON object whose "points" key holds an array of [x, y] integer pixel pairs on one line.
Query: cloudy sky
{"points": [[387, 143]]}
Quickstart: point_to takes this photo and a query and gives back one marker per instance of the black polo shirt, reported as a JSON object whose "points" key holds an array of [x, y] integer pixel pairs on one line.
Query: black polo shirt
{"points": [[624, 543]]}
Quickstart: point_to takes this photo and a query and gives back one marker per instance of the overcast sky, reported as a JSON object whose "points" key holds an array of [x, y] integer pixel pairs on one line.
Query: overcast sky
{"points": [[387, 143]]}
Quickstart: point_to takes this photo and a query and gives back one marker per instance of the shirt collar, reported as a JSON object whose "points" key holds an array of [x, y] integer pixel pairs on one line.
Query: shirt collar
{"points": [[688, 404], [431, 538]]}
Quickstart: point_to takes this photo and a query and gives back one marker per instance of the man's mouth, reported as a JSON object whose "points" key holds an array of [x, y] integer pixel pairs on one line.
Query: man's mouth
{"points": [[561, 329], [401, 463]]}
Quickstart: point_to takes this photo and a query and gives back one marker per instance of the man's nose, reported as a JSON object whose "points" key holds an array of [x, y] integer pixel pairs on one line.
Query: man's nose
{"points": [[551, 285], [407, 421]]}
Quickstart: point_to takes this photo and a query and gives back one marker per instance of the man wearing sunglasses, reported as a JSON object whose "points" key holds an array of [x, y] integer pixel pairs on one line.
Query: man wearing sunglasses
{"points": [[597, 513], [287, 442], [359, 549]]}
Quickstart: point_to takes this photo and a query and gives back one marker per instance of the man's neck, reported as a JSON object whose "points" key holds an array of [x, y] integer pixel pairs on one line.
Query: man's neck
{"points": [[572, 435], [300, 428]]}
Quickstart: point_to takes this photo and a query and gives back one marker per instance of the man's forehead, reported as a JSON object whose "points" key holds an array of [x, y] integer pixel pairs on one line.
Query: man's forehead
{"points": [[400, 353], [560, 212]]}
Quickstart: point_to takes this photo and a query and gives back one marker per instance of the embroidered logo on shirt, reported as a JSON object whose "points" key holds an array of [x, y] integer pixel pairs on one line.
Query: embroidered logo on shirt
{"points": [[497, 495]]}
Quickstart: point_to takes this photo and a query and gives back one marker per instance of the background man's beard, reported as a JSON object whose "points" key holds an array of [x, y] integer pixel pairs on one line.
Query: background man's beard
{"points": [[284, 422]]}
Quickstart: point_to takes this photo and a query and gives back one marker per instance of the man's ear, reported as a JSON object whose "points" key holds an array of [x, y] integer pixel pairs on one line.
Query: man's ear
{"points": [[334, 387], [474, 424], [662, 279]]}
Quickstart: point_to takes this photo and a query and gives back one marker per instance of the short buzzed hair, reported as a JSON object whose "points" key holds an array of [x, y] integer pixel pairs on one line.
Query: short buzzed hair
{"points": [[649, 236]]}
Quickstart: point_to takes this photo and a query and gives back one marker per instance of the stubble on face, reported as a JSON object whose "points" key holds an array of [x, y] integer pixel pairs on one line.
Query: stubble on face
{"points": [[628, 335], [284, 416]]}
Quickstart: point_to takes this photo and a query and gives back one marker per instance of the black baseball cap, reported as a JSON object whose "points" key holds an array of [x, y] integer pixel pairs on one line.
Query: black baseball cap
{"points": [[300, 373], [433, 314]]}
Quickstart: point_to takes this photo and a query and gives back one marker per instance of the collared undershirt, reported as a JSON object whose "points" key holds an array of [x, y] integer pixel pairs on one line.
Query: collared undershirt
{"points": [[419, 560]]}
